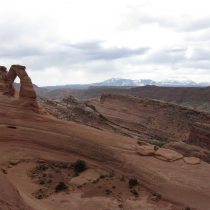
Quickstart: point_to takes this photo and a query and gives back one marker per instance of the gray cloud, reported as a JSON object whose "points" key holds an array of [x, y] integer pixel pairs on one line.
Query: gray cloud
{"points": [[201, 54], [64, 55], [136, 19], [96, 52]]}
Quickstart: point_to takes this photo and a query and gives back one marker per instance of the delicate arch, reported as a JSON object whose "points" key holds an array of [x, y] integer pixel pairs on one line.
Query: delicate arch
{"points": [[26, 87]]}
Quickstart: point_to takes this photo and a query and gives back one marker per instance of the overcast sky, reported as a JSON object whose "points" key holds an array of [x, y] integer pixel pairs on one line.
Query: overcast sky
{"points": [[85, 41]]}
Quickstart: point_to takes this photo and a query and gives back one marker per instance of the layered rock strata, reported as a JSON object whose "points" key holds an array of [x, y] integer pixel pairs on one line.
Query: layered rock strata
{"points": [[200, 134], [141, 118]]}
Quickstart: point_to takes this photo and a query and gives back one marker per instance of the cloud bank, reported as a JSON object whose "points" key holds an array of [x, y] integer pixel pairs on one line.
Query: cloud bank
{"points": [[78, 42]]}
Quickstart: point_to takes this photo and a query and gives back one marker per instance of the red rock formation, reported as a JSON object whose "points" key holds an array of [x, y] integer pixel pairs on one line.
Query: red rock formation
{"points": [[27, 92], [147, 118], [145, 150], [167, 155], [45, 137], [4, 81], [192, 160], [26, 89], [200, 135]]}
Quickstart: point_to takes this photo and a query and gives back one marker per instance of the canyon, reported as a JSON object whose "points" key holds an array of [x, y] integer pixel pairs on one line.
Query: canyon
{"points": [[108, 134], [194, 97]]}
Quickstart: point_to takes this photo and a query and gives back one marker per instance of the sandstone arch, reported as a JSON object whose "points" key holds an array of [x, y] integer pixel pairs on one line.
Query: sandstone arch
{"points": [[27, 91]]}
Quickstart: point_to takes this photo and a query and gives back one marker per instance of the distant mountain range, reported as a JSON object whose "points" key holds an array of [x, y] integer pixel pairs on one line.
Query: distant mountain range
{"points": [[131, 82]]}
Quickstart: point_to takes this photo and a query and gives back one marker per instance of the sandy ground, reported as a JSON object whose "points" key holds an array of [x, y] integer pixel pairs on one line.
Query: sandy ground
{"points": [[89, 196]]}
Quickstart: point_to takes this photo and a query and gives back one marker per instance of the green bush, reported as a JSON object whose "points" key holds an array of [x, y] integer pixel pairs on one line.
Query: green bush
{"points": [[61, 186], [135, 192], [42, 182], [132, 182], [156, 143], [159, 197], [80, 166]]}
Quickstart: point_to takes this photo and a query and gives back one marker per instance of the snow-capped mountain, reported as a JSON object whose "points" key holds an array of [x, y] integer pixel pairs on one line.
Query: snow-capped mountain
{"points": [[167, 82], [132, 82], [126, 82]]}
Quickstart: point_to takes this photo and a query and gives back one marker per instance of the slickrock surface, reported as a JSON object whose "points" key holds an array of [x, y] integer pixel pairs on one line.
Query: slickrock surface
{"points": [[28, 136], [154, 121]]}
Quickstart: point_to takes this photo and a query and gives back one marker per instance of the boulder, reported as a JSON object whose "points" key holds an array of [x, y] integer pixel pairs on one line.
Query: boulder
{"points": [[189, 150], [14, 162], [145, 150], [167, 155], [192, 160]]}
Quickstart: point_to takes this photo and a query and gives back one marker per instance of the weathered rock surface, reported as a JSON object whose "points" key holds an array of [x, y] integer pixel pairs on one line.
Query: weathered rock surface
{"points": [[3, 78], [194, 97], [26, 90], [145, 150], [27, 95], [192, 160], [189, 150], [167, 155], [72, 100], [10, 197], [44, 136], [200, 134], [147, 118], [142, 119]]}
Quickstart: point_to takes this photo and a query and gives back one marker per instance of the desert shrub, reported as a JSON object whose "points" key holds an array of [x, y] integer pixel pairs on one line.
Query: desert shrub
{"points": [[50, 181], [111, 174], [135, 192], [158, 197], [42, 182], [108, 192], [42, 167], [187, 208], [156, 147], [61, 186], [132, 182], [80, 166], [156, 143]]}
